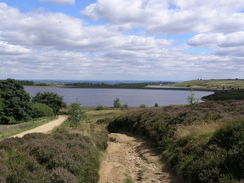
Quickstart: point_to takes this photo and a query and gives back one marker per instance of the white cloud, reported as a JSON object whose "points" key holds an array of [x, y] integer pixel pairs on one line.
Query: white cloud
{"points": [[39, 45], [231, 44], [157, 16], [59, 31], [8, 49], [61, 2]]}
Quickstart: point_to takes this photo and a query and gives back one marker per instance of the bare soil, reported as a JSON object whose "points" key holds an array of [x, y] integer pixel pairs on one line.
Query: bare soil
{"points": [[44, 128], [132, 159]]}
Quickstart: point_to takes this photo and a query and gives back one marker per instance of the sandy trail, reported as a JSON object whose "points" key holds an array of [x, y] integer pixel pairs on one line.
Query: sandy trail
{"points": [[44, 128], [130, 156]]}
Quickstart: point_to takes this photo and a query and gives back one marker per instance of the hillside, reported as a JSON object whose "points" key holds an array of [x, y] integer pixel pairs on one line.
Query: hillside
{"points": [[213, 84], [203, 143]]}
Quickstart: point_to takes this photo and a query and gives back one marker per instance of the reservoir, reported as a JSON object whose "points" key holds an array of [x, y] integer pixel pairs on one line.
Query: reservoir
{"points": [[132, 97]]}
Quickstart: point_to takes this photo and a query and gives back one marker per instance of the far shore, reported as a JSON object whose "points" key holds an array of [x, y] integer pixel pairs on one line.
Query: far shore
{"points": [[144, 88]]}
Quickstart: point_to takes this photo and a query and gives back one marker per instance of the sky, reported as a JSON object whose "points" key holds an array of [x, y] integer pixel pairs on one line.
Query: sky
{"points": [[171, 40]]}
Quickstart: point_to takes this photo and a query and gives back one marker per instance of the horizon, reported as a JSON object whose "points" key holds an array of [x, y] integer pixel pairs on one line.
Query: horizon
{"points": [[154, 40]]}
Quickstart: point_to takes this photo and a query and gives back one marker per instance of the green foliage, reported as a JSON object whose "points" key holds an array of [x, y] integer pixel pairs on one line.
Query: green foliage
{"points": [[26, 83], [192, 99], [75, 115], [60, 157], [117, 103], [128, 179], [1, 108], [14, 102], [125, 106], [53, 100], [155, 105], [101, 107], [41, 110], [143, 106], [226, 95], [200, 158]]}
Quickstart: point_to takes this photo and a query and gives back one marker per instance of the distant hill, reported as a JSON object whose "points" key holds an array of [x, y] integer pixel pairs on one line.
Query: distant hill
{"points": [[223, 84]]}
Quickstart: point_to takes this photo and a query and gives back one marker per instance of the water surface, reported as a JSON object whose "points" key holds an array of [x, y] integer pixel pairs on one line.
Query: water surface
{"points": [[132, 97]]}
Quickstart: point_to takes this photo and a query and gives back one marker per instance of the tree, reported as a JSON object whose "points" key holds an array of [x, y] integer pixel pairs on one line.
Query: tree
{"points": [[143, 106], [15, 102], [192, 99], [75, 115], [125, 106], [117, 103], [155, 105], [51, 99]]}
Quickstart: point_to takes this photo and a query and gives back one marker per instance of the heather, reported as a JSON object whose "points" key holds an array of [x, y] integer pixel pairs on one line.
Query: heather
{"points": [[226, 95], [64, 156], [203, 142]]}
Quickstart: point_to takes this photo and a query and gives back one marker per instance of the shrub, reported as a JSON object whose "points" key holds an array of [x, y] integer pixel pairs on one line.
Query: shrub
{"points": [[62, 175], [117, 103], [101, 107], [59, 157], [143, 106], [125, 106], [75, 115], [53, 100], [41, 110], [192, 99]]}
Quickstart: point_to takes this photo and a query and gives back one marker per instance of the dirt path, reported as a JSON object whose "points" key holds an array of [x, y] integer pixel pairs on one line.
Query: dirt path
{"points": [[132, 158], [44, 128]]}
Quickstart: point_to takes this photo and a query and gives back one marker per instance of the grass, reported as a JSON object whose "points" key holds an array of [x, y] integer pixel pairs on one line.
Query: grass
{"points": [[213, 84], [202, 128], [128, 179], [10, 130], [204, 144]]}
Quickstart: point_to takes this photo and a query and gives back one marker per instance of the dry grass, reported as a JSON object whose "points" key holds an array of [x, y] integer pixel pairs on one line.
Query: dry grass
{"points": [[183, 130]]}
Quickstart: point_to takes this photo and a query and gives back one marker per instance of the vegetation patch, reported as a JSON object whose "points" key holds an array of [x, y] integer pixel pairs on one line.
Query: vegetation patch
{"points": [[10, 130], [226, 95], [60, 157], [223, 84], [207, 155]]}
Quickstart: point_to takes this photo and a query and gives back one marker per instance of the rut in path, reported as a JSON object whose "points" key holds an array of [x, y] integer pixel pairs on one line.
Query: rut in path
{"points": [[128, 156]]}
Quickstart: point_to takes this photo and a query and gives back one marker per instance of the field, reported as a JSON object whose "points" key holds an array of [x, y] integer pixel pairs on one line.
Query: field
{"points": [[213, 84]]}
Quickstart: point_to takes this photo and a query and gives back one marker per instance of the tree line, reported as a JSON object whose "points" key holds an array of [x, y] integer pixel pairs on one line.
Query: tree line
{"points": [[17, 106]]}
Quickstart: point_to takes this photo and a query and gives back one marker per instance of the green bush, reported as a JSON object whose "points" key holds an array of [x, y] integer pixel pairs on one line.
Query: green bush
{"points": [[125, 106], [41, 110], [101, 107], [142, 106], [117, 103], [75, 115], [53, 100]]}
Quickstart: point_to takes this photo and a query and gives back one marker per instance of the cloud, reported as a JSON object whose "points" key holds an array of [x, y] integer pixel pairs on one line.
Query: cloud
{"points": [[170, 16], [231, 44], [8, 49], [41, 45], [60, 2], [59, 31]]}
